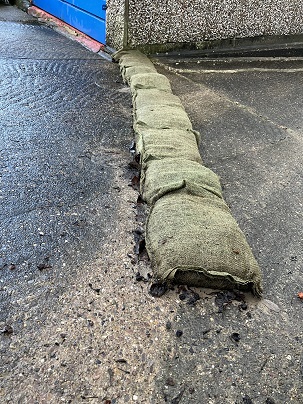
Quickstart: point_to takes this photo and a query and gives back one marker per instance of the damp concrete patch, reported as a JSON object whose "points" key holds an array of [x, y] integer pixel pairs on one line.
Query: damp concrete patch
{"points": [[191, 236]]}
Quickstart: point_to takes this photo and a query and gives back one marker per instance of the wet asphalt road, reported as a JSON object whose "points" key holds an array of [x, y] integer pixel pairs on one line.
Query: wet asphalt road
{"points": [[63, 118]]}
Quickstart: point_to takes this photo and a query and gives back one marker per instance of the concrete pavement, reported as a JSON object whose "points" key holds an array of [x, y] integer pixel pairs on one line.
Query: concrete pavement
{"points": [[77, 324]]}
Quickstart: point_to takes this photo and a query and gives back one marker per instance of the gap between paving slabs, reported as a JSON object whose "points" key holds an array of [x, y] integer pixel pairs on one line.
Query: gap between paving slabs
{"points": [[191, 236]]}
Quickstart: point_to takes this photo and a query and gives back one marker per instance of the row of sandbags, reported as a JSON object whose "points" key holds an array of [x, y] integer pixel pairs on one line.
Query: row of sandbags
{"points": [[191, 236]]}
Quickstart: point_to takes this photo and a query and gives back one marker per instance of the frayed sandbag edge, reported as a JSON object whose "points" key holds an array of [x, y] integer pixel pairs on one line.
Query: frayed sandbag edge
{"points": [[239, 283]]}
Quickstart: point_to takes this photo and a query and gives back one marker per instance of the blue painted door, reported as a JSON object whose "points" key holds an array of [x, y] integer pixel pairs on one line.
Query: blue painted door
{"points": [[87, 16]]}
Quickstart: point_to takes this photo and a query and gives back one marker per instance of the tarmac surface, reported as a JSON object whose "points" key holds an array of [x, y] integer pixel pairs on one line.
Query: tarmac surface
{"points": [[249, 113], [77, 323]]}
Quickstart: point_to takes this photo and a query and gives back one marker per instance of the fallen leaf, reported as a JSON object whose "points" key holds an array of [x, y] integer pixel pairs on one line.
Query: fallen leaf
{"points": [[8, 329], [43, 266], [270, 305], [158, 289], [235, 337], [135, 183], [226, 297]]}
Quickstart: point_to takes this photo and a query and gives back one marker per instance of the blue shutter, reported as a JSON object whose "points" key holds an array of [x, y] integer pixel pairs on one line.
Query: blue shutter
{"points": [[87, 16]]}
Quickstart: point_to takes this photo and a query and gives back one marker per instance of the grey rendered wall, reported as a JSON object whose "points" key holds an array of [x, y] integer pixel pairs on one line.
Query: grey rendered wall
{"points": [[116, 21], [193, 21]]}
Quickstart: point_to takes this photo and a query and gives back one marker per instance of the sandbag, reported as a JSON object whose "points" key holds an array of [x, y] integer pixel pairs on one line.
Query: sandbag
{"points": [[168, 175], [154, 97], [156, 144], [149, 80], [162, 117], [129, 72], [196, 241], [191, 236], [131, 58]]}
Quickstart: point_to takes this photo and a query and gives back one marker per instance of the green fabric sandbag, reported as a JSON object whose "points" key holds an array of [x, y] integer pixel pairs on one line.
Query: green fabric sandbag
{"points": [[133, 63], [195, 241], [149, 80], [162, 117], [156, 144], [131, 58], [129, 72], [164, 176], [154, 97]]}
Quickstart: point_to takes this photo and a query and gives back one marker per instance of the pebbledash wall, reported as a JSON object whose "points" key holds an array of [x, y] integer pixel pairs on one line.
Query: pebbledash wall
{"points": [[165, 23]]}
